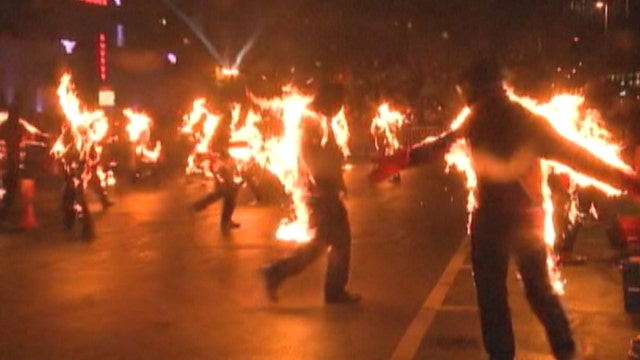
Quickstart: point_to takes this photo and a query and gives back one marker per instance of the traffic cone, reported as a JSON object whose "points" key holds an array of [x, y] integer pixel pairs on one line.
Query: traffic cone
{"points": [[28, 189]]}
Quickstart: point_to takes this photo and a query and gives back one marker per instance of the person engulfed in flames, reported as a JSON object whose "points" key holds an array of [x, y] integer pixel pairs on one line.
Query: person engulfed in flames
{"points": [[506, 143], [145, 154], [75, 159], [321, 166], [224, 168]]}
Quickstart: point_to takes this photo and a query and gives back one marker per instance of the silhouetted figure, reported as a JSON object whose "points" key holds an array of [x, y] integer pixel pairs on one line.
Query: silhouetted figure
{"points": [[328, 215], [12, 132]]}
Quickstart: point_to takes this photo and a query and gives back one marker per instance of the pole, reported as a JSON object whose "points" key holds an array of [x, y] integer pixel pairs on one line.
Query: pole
{"points": [[606, 17]]}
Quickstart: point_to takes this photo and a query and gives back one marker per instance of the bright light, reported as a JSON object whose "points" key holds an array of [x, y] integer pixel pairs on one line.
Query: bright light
{"points": [[172, 58], [68, 45]]}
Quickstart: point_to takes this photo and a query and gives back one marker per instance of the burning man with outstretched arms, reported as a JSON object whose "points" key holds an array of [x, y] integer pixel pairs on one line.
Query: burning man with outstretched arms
{"points": [[322, 164], [506, 142]]}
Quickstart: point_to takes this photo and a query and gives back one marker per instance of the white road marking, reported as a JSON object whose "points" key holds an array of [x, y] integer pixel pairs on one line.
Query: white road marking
{"points": [[408, 345]]}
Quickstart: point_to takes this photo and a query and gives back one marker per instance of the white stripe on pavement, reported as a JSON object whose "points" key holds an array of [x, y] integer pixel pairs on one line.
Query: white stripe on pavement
{"points": [[408, 346]]}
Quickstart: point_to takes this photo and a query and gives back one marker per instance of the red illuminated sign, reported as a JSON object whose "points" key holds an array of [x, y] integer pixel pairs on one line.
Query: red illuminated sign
{"points": [[96, 2], [102, 56]]}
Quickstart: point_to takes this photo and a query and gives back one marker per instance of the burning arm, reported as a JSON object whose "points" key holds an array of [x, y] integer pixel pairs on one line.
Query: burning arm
{"points": [[593, 168], [429, 149]]}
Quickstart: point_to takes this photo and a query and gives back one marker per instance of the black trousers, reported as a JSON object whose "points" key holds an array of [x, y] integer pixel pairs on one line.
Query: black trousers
{"points": [[331, 222], [75, 207], [495, 237], [228, 192]]}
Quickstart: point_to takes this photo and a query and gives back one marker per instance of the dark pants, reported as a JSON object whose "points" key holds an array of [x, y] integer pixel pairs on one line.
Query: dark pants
{"points": [[331, 222], [10, 182], [75, 207], [496, 235], [228, 192], [566, 231]]}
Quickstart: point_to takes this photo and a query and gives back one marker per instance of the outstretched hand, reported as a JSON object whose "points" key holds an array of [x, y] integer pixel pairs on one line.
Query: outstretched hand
{"points": [[387, 166]]}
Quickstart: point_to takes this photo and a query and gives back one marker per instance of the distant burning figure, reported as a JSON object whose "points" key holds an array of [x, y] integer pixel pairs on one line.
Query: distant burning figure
{"points": [[78, 150], [510, 148], [385, 130], [222, 166], [145, 154]]}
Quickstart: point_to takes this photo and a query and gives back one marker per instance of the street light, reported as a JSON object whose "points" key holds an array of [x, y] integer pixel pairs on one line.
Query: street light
{"points": [[603, 5]]}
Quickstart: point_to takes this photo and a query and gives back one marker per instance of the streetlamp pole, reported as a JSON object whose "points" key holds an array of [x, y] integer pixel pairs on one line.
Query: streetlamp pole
{"points": [[626, 9], [604, 5]]}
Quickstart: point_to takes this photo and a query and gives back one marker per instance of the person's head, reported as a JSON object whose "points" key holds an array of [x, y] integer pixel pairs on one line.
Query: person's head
{"points": [[482, 77], [329, 97]]}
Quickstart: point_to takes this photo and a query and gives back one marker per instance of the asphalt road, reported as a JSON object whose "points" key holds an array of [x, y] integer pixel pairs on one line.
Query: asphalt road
{"points": [[160, 282]]}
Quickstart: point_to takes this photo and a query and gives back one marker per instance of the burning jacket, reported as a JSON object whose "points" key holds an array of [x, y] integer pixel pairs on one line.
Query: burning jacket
{"points": [[506, 143]]}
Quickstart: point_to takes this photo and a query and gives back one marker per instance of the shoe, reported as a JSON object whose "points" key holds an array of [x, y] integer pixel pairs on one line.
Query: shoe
{"points": [[344, 297], [271, 282], [230, 225]]}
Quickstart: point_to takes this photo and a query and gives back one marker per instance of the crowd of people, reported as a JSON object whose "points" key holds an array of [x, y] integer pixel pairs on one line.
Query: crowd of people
{"points": [[506, 143]]}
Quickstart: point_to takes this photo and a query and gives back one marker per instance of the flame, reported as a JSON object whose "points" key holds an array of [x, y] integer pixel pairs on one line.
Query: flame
{"points": [[201, 124], [385, 128], [340, 128], [88, 128], [459, 156], [139, 131], [282, 158]]}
